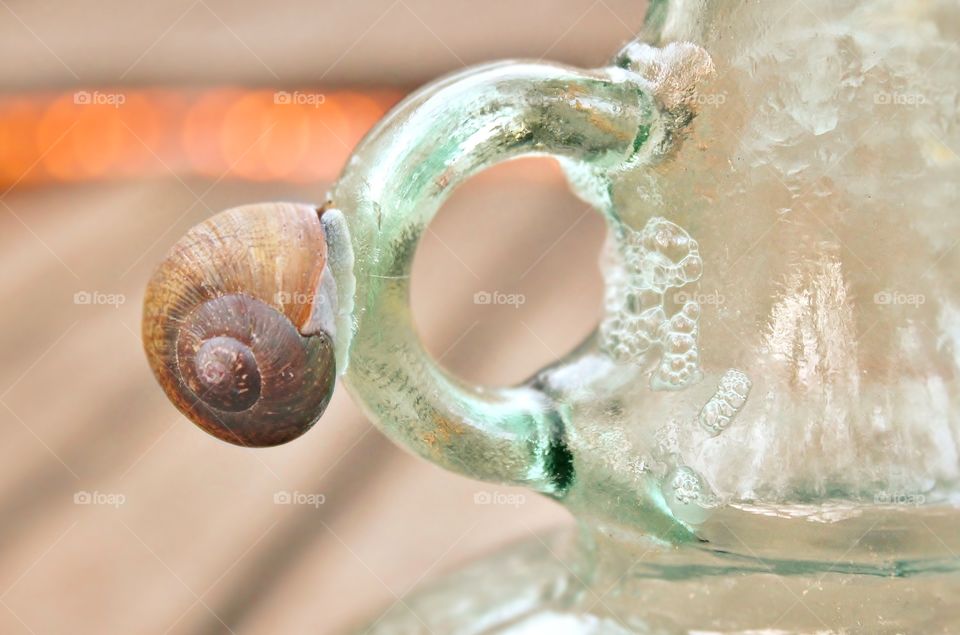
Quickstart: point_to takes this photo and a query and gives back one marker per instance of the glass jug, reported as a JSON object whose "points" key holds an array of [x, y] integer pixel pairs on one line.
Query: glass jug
{"points": [[762, 434]]}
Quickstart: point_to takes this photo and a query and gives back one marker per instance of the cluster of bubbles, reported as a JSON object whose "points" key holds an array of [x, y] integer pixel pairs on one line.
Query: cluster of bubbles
{"points": [[685, 485], [680, 363], [732, 392], [686, 495], [655, 260]]}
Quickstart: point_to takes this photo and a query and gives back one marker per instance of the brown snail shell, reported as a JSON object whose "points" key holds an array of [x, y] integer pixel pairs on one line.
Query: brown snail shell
{"points": [[229, 324]]}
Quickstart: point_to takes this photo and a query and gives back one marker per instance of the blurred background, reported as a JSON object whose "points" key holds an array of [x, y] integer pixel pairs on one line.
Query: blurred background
{"points": [[123, 124]]}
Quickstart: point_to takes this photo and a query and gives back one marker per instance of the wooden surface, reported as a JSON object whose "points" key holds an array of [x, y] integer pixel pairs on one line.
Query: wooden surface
{"points": [[196, 543], [296, 42]]}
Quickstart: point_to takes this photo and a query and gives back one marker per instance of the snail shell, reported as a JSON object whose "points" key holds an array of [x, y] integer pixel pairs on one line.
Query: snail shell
{"points": [[233, 326]]}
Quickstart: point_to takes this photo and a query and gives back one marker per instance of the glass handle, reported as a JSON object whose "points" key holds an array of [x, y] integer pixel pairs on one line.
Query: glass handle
{"points": [[594, 122]]}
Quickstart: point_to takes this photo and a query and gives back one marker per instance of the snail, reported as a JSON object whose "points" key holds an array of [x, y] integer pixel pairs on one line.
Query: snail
{"points": [[237, 323]]}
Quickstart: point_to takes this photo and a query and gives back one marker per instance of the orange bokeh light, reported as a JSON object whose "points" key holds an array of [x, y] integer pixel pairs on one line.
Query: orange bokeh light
{"points": [[224, 132], [19, 118]]}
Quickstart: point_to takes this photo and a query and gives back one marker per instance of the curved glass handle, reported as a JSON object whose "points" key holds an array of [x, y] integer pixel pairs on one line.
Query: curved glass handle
{"points": [[601, 120]]}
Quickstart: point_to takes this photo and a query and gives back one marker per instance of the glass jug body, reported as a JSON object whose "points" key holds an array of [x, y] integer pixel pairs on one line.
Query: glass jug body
{"points": [[763, 432]]}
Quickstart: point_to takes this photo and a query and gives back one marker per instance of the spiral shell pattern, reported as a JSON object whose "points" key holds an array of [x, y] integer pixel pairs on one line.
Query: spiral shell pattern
{"points": [[230, 324]]}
